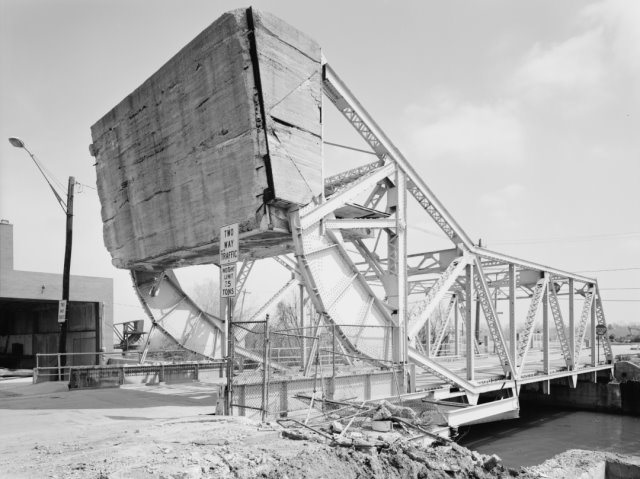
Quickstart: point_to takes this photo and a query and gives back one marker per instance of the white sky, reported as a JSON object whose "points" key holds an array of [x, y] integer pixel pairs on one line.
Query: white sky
{"points": [[523, 117]]}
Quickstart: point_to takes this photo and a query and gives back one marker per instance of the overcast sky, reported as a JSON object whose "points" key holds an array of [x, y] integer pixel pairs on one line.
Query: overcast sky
{"points": [[523, 117]]}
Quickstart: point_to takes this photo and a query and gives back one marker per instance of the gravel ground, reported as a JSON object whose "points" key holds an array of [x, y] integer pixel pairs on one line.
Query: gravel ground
{"points": [[169, 431]]}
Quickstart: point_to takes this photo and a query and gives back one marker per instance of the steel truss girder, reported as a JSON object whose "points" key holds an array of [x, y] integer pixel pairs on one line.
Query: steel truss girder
{"points": [[375, 197], [287, 263], [354, 112], [339, 199], [165, 284], [243, 274], [334, 183], [370, 258], [582, 327], [336, 224], [560, 329], [602, 321], [445, 325], [491, 316], [318, 300], [525, 341], [437, 292], [441, 372], [462, 310], [527, 265]]}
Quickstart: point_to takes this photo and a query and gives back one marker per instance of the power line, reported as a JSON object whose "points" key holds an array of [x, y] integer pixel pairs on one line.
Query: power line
{"points": [[610, 300], [82, 187], [615, 289], [621, 300], [346, 147], [88, 186], [633, 268], [567, 238], [437, 234]]}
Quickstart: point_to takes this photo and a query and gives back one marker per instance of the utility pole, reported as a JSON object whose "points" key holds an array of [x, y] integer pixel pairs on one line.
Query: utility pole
{"points": [[68, 211], [62, 342]]}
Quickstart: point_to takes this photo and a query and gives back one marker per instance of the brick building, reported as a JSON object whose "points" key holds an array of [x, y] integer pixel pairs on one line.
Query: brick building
{"points": [[29, 312]]}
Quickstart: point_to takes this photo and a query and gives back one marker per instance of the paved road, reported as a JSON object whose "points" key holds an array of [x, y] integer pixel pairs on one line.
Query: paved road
{"points": [[33, 412]]}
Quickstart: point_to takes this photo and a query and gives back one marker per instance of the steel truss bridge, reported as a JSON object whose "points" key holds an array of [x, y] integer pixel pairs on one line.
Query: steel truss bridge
{"points": [[351, 261]]}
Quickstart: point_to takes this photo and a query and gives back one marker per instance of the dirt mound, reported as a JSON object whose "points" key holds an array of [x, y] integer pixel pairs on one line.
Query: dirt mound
{"points": [[223, 447]]}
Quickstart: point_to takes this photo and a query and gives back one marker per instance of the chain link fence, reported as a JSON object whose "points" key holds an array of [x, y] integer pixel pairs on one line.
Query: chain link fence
{"points": [[296, 372]]}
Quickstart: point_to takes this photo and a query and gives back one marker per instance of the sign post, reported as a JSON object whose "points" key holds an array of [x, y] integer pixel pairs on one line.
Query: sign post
{"points": [[601, 330], [62, 311], [229, 254]]}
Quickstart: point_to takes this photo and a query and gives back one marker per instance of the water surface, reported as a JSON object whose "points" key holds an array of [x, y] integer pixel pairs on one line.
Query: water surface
{"points": [[541, 433]]}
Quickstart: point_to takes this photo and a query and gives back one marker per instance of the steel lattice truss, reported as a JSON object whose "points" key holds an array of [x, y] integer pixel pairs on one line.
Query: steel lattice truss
{"points": [[357, 274]]}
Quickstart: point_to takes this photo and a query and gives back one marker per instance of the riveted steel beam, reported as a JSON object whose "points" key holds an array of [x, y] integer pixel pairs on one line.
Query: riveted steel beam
{"points": [[354, 112], [525, 340], [339, 199], [484, 296]]}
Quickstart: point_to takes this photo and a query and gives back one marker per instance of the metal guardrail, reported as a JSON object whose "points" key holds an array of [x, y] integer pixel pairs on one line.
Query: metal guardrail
{"points": [[82, 377], [56, 366]]}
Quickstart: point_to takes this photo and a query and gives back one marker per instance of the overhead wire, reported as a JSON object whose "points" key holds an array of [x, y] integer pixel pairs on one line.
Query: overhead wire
{"points": [[49, 174], [633, 268], [568, 238], [615, 289], [347, 147]]}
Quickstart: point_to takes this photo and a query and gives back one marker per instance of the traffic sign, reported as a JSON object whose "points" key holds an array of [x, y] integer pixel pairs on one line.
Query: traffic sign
{"points": [[601, 330], [62, 311], [229, 250], [228, 280]]}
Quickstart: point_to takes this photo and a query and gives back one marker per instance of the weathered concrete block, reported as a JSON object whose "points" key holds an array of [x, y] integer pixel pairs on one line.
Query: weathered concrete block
{"points": [[230, 124]]}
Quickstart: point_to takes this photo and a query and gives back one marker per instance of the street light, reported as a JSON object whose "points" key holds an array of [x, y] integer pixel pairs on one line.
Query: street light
{"points": [[68, 211]]}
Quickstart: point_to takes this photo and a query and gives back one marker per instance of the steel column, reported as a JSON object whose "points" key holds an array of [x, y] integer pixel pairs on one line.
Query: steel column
{"points": [[401, 233], [593, 340], [545, 331], [572, 326], [457, 328], [469, 323], [303, 342], [513, 337]]}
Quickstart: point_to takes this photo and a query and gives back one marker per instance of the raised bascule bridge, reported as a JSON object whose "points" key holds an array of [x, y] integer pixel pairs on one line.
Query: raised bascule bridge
{"points": [[230, 130]]}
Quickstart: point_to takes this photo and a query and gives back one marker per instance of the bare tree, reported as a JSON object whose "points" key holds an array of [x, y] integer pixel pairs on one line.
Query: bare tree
{"points": [[206, 295]]}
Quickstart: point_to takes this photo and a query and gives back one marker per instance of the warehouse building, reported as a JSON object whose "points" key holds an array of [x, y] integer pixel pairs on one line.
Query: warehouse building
{"points": [[29, 313]]}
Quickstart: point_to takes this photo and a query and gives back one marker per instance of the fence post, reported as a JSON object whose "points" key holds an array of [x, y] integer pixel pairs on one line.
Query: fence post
{"points": [[284, 406], [59, 371], [265, 370], [333, 352]]}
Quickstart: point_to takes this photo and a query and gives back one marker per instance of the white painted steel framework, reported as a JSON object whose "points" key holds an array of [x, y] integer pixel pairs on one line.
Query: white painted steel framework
{"points": [[355, 282]]}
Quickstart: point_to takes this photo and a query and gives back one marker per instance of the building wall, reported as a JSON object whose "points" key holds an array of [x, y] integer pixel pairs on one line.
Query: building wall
{"points": [[29, 327], [31, 285], [6, 246]]}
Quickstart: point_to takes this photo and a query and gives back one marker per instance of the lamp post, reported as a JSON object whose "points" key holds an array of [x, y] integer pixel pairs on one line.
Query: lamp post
{"points": [[68, 211]]}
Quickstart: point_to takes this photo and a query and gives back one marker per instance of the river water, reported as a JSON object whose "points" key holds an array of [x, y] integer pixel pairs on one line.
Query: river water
{"points": [[541, 433]]}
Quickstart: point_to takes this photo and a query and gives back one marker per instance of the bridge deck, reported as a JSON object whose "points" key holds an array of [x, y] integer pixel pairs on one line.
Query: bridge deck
{"points": [[488, 373]]}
